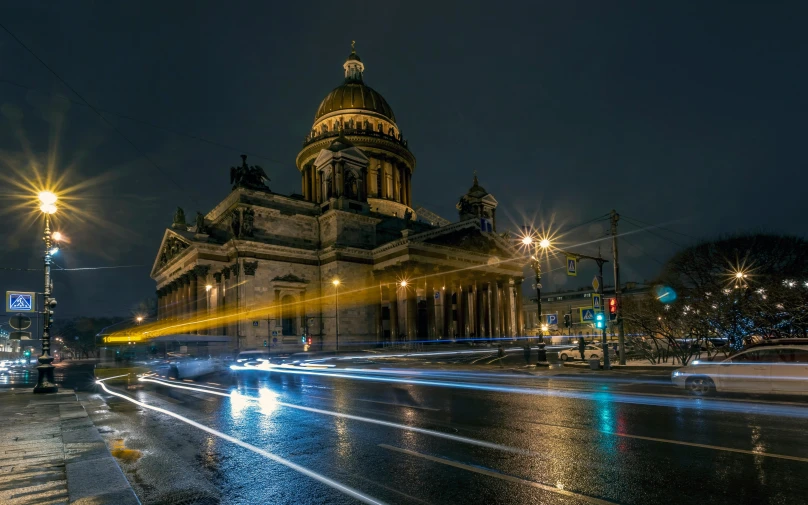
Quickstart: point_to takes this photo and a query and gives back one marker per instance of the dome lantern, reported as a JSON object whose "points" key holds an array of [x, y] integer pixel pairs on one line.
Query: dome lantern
{"points": [[353, 66]]}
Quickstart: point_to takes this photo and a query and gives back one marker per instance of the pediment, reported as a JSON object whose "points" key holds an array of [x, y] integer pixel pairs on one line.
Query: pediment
{"points": [[172, 246], [468, 237]]}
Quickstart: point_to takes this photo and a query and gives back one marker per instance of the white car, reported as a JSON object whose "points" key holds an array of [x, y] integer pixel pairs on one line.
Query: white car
{"points": [[591, 351], [766, 369]]}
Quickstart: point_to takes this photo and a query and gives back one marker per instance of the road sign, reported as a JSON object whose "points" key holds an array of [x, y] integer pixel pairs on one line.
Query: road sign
{"points": [[595, 283], [19, 335], [587, 315], [19, 322], [274, 333], [572, 266], [20, 301], [552, 319], [255, 323], [597, 303]]}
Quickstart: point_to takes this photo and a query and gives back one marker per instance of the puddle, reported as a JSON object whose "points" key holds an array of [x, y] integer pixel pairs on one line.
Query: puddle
{"points": [[120, 452]]}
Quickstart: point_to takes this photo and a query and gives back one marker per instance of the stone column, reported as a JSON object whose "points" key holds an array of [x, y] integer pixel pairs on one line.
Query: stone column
{"points": [[236, 299], [396, 181], [497, 309], [318, 187], [506, 308], [448, 331], [192, 294], [520, 318], [227, 302], [393, 311], [339, 184], [412, 313], [304, 182], [430, 308], [379, 319], [464, 325], [175, 293]]}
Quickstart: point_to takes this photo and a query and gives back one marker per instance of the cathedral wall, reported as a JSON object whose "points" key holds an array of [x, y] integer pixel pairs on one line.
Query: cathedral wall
{"points": [[347, 229], [280, 290], [358, 300]]}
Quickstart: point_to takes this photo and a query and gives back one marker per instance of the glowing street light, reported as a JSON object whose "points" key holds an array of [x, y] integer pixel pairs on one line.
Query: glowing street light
{"points": [[139, 319], [57, 236], [544, 243], [404, 284]]}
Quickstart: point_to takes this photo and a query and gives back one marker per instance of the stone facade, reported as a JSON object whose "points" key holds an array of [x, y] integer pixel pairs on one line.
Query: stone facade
{"points": [[261, 267]]}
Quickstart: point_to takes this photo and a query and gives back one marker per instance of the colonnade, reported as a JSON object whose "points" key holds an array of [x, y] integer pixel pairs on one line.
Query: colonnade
{"points": [[457, 308]]}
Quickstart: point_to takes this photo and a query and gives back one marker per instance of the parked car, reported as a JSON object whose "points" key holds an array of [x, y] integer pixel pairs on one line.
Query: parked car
{"points": [[765, 369], [591, 351]]}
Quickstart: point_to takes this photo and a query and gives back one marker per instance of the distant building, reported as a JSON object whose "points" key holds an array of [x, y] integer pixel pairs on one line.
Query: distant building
{"points": [[573, 302], [272, 259]]}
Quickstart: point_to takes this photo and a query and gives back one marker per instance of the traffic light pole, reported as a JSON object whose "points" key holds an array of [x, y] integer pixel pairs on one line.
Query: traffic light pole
{"points": [[600, 261], [606, 363], [617, 291]]}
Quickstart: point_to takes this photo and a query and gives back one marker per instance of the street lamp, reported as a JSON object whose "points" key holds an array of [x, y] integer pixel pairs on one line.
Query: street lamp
{"points": [[139, 319], [45, 382], [535, 249], [335, 282]]}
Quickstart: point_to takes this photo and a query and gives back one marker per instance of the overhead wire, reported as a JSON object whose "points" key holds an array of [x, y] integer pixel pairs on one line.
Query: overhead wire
{"points": [[149, 124], [98, 112]]}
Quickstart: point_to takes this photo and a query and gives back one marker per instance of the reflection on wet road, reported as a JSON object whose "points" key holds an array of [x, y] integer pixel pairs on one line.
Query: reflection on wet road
{"points": [[430, 436]]}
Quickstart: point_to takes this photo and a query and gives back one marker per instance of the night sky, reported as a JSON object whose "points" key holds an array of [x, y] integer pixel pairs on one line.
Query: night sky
{"points": [[684, 114]]}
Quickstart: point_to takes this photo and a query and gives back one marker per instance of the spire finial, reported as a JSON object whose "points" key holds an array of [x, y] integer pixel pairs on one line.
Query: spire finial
{"points": [[476, 183], [353, 47]]}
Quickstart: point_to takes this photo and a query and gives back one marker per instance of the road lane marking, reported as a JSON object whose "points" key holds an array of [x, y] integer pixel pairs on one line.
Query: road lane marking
{"points": [[389, 424], [497, 475], [278, 459], [680, 442], [377, 401]]}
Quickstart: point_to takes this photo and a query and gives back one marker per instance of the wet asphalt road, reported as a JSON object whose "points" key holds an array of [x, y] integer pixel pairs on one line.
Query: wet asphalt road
{"points": [[570, 438]]}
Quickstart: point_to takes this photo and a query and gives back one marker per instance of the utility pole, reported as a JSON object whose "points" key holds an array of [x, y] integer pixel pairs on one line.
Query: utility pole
{"points": [[621, 341]]}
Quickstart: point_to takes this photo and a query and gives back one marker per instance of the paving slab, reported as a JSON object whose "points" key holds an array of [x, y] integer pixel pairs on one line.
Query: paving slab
{"points": [[52, 454]]}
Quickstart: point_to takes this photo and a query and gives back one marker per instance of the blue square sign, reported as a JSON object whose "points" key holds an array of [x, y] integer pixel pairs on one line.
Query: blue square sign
{"points": [[20, 301], [552, 319]]}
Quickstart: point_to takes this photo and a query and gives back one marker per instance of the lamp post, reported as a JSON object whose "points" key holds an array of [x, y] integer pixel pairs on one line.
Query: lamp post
{"points": [[45, 382], [535, 263], [335, 282]]}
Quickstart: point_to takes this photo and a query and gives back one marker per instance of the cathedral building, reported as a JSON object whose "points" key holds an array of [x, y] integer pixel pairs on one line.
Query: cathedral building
{"points": [[349, 262]]}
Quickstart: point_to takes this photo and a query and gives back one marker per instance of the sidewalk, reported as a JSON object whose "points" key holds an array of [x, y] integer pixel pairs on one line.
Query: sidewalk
{"points": [[50, 453]]}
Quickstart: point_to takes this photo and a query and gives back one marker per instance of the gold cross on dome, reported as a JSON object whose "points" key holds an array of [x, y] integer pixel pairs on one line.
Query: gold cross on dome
{"points": [[353, 46]]}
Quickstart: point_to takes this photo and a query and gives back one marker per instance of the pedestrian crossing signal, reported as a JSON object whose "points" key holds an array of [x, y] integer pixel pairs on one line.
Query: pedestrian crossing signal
{"points": [[600, 321]]}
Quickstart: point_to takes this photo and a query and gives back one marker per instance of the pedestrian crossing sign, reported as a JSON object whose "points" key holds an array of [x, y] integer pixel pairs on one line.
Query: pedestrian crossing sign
{"points": [[20, 301], [596, 302], [587, 314], [572, 266]]}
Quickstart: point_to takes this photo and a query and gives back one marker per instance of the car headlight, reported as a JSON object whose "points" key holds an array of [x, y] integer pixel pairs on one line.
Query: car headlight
{"points": [[676, 373]]}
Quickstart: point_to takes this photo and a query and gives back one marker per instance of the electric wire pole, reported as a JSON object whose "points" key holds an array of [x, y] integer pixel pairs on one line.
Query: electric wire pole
{"points": [[621, 341]]}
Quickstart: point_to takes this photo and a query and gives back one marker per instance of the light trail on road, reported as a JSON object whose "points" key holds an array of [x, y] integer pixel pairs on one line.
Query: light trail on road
{"points": [[285, 462], [669, 401], [389, 424]]}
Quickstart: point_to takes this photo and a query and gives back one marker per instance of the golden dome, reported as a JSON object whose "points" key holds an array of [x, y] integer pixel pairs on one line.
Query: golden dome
{"points": [[355, 95]]}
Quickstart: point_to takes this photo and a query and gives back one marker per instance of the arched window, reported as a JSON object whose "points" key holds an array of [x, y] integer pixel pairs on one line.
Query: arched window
{"points": [[289, 315]]}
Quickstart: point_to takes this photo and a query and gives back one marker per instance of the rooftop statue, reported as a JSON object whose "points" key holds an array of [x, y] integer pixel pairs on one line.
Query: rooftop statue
{"points": [[249, 177]]}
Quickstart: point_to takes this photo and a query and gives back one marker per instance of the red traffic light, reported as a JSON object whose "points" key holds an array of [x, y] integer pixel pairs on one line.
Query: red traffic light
{"points": [[613, 305], [308, 341]]}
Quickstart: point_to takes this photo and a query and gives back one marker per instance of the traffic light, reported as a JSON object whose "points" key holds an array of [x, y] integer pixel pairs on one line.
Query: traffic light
{"points": [[308, 341], [600, 321], [612, 309], [27, 354], [303, 339], [567, 321]]}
